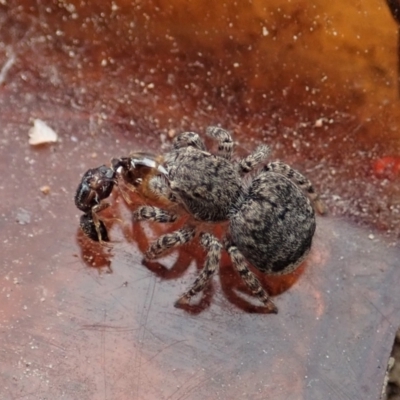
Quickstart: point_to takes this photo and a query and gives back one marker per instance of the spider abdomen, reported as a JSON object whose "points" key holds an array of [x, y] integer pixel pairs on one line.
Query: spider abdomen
{"points": [[274, 224]]}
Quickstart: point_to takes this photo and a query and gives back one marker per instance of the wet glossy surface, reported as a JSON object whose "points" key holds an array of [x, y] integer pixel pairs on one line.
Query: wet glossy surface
{"points": [[81, 321]]}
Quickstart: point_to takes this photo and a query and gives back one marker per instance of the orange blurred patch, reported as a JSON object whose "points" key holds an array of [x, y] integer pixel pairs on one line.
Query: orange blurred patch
{"points": [[387, 167]]}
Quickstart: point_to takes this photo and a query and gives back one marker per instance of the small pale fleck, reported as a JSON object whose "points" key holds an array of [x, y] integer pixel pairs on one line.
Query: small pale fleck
{"points": [[171, 133], [41, 133], [45, 189], [371, 236], [319, 123]]}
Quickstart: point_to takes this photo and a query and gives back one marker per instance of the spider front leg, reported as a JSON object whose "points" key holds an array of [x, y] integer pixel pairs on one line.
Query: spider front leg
{"points": [[186, 139], [300, 180], [213, 247], [250, 279], [254, 159], [125, 185], [224, 139], [169, 241], [151, 213]]}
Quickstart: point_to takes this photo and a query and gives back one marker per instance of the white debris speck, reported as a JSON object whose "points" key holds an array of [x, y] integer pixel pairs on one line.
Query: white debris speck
{"points": [[371, 236], [41, 133], [265, 31], [45, 189], [319, 122], [6, 67]]}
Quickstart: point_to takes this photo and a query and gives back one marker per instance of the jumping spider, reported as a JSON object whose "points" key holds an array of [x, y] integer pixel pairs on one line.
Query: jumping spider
{"points": [[271, 220]]}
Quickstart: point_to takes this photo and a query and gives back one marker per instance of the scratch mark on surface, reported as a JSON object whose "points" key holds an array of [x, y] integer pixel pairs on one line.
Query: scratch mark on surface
{"points": [[336, 390], [103, 351], [199, 381], [165, 348], [108, 328], [6, 67], [143, 328]]}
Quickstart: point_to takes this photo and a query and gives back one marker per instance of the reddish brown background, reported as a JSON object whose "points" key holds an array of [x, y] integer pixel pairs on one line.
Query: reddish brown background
{"points": [[317, 81]]}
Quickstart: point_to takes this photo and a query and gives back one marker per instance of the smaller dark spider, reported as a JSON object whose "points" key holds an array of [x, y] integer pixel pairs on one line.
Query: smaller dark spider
{"points": [[97, 184]]}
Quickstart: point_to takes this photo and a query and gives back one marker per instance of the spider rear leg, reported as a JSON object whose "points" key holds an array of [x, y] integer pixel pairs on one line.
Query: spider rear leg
{"points": [[213, 247], [151, 213], [186, 139], [224, 139], [300, 180], [254, 159], [169, 241], [250, 279]]}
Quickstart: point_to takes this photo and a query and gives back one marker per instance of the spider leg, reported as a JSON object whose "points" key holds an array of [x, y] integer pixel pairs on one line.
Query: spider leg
{"points": [[250, 279], [186, 139], [224, 139], [159, 186], [94, 231], [213, 247], [123, 193], [300, 180], [168, 241], [251, 161], [151, 213], [99, 227]]}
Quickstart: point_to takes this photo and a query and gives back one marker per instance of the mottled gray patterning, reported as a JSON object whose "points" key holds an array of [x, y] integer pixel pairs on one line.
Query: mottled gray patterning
{"points": [[271, 220]]}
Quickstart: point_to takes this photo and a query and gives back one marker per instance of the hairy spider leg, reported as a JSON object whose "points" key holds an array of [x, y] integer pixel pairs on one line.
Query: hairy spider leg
{"points": [[213, 247], [186, 139], [224, 139], [259, 155], [160, 187], [169, 241], [250, 279], [300, 180], [151, 213]]}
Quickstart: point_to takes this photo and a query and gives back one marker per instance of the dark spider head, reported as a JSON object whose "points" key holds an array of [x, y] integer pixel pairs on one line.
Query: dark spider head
{"points": [[89, 229], [96, 185]]}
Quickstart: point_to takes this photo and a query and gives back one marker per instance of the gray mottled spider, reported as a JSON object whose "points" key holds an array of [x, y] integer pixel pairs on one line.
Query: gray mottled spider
{"points": [[271, 220]]}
